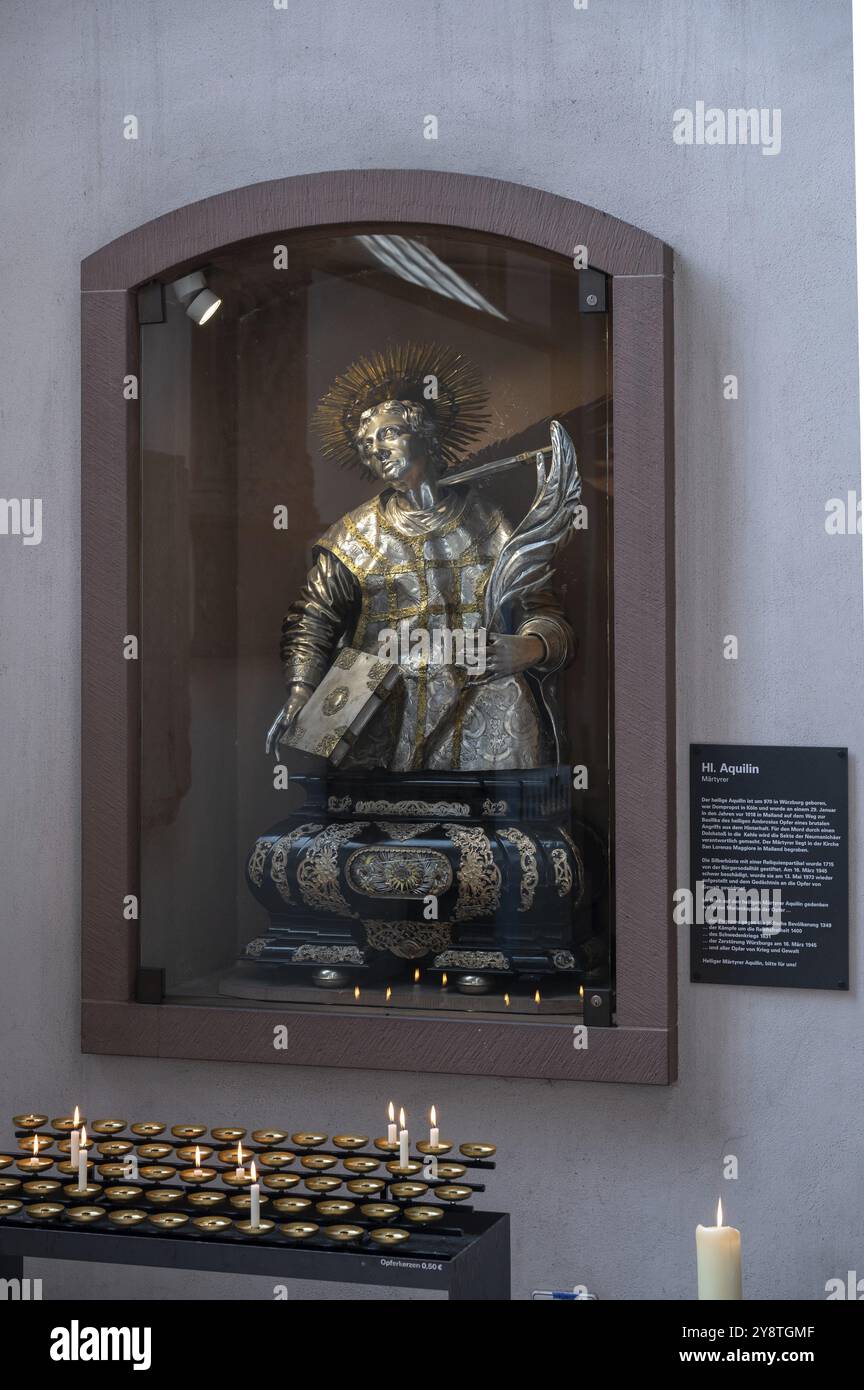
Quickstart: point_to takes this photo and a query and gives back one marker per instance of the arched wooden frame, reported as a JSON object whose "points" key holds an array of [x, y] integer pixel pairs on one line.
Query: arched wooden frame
{"points": [[641, 1046]]}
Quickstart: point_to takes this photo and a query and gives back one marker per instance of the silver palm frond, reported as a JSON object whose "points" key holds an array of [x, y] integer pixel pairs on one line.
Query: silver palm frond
{"points": [[525, 562]]}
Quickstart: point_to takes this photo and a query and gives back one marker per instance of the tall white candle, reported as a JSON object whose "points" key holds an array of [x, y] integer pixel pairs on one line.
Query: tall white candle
{"points": [[434, 1132], [391, 1127], [255, 1193], [403, 1141], [718, 1260], [75, 1138], [82, 1160]]}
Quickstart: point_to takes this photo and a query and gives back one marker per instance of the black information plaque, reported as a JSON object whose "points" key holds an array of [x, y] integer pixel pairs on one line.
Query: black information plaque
{"points": [[769, 866]]}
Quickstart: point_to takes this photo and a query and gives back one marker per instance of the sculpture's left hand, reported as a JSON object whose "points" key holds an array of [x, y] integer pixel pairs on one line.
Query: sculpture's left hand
{"points": [[509, 653]]}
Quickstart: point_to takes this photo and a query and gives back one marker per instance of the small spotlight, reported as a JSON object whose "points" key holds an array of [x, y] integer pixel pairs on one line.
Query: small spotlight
{"points": [[200, 303]]}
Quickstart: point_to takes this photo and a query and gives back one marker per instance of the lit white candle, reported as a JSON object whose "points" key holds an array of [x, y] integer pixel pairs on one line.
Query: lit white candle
{"points": [[434, 1131], [255, 1193], [391, 1127], [82, 1160], [718, 1260], [403, 1141], [75, 1138], [238, 1171]]}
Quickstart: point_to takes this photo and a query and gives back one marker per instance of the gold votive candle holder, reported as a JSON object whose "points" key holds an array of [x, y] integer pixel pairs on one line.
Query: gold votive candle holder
{"points": [[35, 1164], [168, 1220], [299, 1230], [247, 1229], [408, 1189], [42, 1142], [188, 1131], [380, 1211], [42, 1187], [157, 1150], [361, 1165], [127, 1216], [279, 1182], [197, 1175], [389, 1235], [87, 1193], [186, 1152], [44, 1211], [212, 1225]]}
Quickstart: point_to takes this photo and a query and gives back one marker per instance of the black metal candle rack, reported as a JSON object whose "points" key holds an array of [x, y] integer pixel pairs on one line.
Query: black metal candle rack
{"points": [[346, 1211]]}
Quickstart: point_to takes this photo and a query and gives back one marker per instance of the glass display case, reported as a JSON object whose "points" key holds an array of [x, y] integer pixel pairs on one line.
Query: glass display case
{"points": [[378, 683], [299, 529]]}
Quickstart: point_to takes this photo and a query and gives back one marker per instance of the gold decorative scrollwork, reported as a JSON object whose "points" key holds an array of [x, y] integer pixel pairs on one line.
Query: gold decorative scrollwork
{"points": [[413, 808], [479, 877], [376, 673], [279, 857], [329, 955], [405, 829], [527, 864], [346, 658], [408, 940], [563, 872], [325, 745], [255, 866], [471, 960], [318, 874], [334, 701], [383, 871], [494, 808]]}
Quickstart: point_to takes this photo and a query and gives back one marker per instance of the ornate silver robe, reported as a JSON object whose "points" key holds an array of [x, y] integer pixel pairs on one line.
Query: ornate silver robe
{"points": [[383, 564]]}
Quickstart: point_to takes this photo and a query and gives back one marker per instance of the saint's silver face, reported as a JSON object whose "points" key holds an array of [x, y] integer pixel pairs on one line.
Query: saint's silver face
{"points": [[395, 453]]}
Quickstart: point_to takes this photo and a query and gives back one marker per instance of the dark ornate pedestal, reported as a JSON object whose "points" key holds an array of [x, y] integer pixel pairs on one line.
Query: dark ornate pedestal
{"points": [[455, 871]]}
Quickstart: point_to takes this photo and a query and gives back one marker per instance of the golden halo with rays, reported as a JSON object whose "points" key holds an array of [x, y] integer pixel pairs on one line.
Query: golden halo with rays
{"points": [[400, 372]]}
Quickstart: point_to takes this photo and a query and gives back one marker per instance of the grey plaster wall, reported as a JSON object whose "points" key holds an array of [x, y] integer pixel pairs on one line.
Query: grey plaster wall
{"points": [[605, 1183]]}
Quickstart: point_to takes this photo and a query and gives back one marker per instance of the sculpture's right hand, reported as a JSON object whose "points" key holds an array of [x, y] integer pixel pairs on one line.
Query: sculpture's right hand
{"points": [[297, 697]]}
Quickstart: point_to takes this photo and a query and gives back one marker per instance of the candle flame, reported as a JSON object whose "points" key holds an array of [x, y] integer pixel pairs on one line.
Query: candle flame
{"points": [[239, 1154], [719, 1211], [76, 1118], [356, 991], [197, 1155], [388, 995], [537, 996], [391, 1113], [581, 991], [444, 978], [507, 1000], [253, 1175], [401, 1119], [417, 974], [35, 1146], [83, 1136], [433, 1118]]}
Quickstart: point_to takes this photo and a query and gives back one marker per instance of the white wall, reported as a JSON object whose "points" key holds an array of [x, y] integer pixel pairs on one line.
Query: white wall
{"points": [[605, 1183]]}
